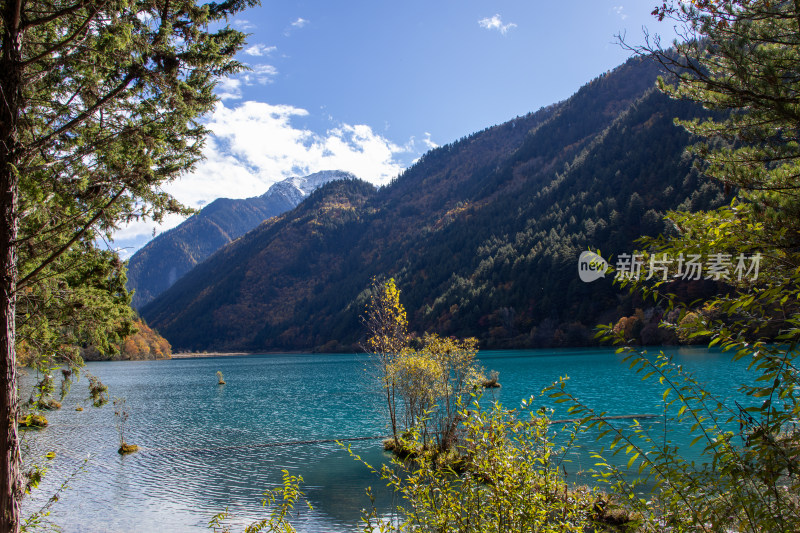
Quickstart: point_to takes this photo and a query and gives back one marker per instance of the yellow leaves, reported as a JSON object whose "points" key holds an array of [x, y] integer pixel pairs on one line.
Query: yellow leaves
{"points": [[418, 376], [455, 352], [426, 387], [145, 343], [386, 318], [391, 301]]}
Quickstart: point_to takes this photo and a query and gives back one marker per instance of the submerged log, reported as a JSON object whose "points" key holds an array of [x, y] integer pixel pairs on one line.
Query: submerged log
{"points": [[614, 417]]}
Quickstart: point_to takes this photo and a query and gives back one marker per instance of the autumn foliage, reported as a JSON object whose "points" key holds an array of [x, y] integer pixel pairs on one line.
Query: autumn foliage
{"points": [[145, 343], [424, 388]]}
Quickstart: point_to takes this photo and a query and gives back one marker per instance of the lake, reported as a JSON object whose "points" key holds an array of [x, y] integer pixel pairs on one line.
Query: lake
{"points": [[205, 447]]}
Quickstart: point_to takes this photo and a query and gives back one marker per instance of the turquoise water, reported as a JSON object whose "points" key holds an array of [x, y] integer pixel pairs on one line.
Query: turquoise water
{"points": [[205, 447]]}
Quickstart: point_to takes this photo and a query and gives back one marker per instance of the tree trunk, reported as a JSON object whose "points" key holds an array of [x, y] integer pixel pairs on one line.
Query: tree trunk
{"points": [[9, 445], [10, 157]]}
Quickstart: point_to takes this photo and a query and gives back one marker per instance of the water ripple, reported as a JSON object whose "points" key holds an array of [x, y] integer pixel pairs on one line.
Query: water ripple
{"points": [[205, 447]]}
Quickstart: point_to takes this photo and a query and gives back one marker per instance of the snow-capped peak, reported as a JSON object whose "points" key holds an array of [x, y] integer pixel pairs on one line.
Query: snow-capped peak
{"points": [[298, 187], [311, 182]]}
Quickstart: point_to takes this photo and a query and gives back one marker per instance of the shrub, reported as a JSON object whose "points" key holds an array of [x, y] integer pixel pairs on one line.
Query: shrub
{"points": [[509, 476]]}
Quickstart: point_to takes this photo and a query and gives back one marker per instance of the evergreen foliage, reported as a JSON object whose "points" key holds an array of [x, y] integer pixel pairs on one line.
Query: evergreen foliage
{"points": [[100, 106], [143, 343]]}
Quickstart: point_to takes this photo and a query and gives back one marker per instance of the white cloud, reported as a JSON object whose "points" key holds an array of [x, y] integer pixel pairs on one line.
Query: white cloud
{"points": [[255, 144], [229, 89], [619, 11], [296, 25], [412, 145], [142, 230], [260, 144], [243, 24], [428, 142], [496, 23], [262, 74], [259, 50]]}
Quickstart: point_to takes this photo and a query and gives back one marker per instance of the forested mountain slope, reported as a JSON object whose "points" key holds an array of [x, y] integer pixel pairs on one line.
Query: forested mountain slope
{"points": [[160, 263], [482, 235]]}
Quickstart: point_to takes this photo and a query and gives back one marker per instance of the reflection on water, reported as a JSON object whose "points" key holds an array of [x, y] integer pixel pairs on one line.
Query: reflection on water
{"points": [[205, 447]]}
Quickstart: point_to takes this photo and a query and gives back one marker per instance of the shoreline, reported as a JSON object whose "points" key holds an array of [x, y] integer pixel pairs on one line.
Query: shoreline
{"points": [[186, 355], [199, 355]]}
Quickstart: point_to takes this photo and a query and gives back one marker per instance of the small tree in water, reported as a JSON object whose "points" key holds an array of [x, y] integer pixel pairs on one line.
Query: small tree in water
{"points": [[424, 388], [97, 391], [434, 383], [121, 415], [387, 326]]}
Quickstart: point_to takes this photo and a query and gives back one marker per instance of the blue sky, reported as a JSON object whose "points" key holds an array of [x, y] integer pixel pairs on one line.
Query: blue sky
{"points": [[368, 86], [406, 68]]}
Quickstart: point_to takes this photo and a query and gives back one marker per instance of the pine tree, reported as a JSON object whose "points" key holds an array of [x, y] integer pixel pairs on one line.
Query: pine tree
{"points": [[99, 106]]}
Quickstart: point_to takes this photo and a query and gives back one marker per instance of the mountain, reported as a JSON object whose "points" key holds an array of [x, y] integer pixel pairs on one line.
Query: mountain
{"points": [[482, 235], [160, 263]]}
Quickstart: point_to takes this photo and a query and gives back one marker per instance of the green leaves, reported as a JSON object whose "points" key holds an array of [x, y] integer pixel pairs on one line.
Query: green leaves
{"points": [[111, 95], [507, 474], [738, 61]]}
